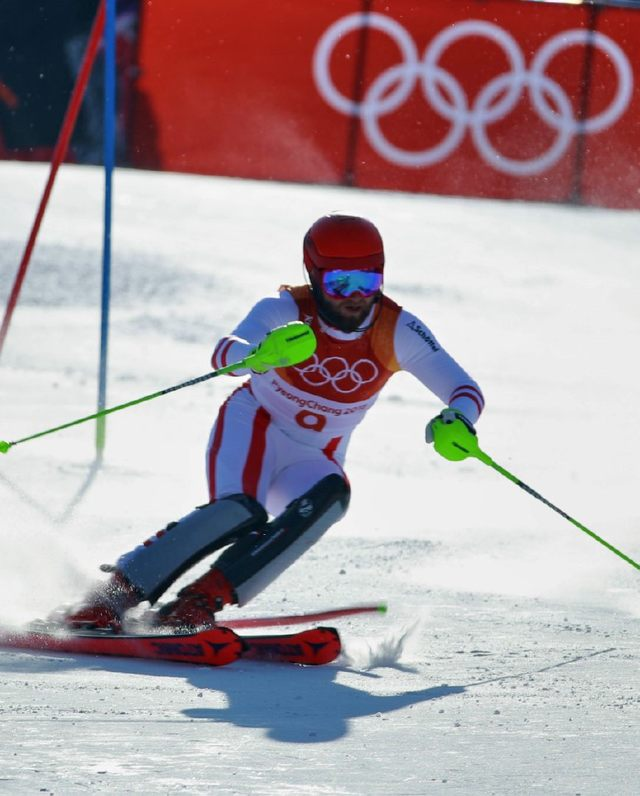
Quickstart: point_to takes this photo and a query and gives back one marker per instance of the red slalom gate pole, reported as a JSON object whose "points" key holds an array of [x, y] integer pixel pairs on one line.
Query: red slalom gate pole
{"points": [[59, 153], [298, 619]]}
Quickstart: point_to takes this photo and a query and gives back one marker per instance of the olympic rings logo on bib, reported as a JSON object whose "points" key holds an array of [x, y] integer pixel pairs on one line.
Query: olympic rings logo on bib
{"points": [[446, 96], [345, 378]]}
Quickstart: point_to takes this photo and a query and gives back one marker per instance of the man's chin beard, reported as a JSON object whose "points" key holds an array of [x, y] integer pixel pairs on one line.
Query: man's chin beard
{"points": [[351, 324]]}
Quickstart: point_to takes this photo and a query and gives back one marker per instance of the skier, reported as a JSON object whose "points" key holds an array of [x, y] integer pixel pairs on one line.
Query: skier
{"points": [[278, 445]]}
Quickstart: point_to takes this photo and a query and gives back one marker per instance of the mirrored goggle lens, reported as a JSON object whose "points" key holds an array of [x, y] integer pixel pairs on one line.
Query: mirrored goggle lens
{"points": [[342, 284]]}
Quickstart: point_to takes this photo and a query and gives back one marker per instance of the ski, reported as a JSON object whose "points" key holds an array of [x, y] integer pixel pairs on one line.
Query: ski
{"points": [[217, 646], [312, 647]]}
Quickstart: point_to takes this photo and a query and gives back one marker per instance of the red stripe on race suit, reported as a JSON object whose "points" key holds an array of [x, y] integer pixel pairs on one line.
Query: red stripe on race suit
{"points": [[219, 358], [215, 362], [214, 450], [214, 357], [255, 456], [225, 354], [331, 447], [329, 451], [465, 388], [468, 391]]}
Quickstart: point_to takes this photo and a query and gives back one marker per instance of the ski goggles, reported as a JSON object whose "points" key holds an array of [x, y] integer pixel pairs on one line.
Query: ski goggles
{"points": [[343, 284]]}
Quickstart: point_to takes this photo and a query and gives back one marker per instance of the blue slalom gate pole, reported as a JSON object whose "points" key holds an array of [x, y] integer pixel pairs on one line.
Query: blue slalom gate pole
{"points": [[109, 161]]}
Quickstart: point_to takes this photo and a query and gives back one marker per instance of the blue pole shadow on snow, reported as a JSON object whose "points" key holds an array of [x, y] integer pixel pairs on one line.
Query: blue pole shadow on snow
{"points": [[45, 510]]}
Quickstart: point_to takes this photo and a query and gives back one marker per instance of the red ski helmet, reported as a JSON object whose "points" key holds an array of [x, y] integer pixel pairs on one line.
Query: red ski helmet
{"points": [[338, 241]]}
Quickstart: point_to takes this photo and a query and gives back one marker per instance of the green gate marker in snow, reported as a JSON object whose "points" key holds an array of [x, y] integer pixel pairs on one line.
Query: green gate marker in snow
{"points": [[284, 346], [455, 442]]}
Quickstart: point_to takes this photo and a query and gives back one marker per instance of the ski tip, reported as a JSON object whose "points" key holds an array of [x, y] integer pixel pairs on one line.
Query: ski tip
{"points": [[5, 446], [382, 608]]}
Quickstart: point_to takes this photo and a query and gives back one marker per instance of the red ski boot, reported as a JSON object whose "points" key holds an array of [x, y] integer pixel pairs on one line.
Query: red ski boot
{"points": [[104, 607], [196, 605]]}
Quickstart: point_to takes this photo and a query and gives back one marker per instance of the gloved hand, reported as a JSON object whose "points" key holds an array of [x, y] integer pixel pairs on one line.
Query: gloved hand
{"points": [[258, 366], [283, 346], [447, 416], [264, 354], [454, 436]]}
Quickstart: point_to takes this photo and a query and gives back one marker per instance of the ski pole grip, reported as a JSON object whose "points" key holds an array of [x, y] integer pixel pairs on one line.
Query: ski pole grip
{"points": [[454, 441], [284, 346]]}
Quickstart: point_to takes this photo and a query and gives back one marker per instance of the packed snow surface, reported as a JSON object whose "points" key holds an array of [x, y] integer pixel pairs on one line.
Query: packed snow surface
{"points": [[508, 660]]}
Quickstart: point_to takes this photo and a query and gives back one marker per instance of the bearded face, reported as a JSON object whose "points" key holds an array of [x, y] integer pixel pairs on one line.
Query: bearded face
{"points": [[345, 314]]}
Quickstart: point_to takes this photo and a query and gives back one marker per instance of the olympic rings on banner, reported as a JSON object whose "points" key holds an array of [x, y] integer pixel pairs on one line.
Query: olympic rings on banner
{"points": [[447, 97]]}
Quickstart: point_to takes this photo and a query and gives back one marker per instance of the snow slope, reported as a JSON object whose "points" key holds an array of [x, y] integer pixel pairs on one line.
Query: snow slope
{"points": [[508, 661]]}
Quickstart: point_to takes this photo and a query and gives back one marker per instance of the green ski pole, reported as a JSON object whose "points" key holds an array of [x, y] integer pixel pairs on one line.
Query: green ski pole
{"points": [[455, 442], [284, 346]]}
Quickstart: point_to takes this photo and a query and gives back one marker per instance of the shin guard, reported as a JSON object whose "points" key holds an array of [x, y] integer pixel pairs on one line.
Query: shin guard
{"points": [[153, 566], [255, 561]]}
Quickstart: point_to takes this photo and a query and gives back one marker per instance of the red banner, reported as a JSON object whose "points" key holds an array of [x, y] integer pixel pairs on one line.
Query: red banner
{"points": [[228, 89], [469, 124], [499, 98], [611, 174]]}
